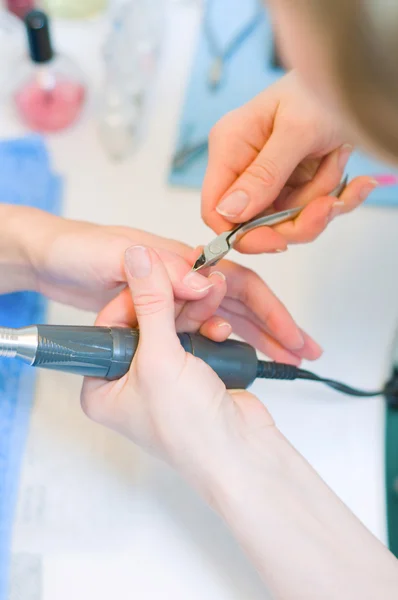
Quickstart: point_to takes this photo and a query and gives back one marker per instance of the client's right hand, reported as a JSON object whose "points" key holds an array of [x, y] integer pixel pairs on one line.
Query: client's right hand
{"points": [[170, 402]]}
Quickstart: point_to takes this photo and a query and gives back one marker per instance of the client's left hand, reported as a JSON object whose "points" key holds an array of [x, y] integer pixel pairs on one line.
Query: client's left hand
{"points": [[81, 264]]}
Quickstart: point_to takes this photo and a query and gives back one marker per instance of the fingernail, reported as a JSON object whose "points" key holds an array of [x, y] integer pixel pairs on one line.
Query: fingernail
{"points": [[368, 189], [278, 251], [138, 261], [219, 274], [335, 211], [299, 343], [225, 324], [197, 282], [344, 156], [233, 205]]}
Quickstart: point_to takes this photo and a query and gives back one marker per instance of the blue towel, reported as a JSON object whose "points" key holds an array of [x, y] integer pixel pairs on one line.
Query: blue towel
{"points": [[25, 179], [247, 72]]}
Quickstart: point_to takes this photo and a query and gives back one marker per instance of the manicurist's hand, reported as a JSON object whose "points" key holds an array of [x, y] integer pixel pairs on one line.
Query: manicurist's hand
{"points": [[227, 445], [170, 401], [280, 150], [82, 264]]}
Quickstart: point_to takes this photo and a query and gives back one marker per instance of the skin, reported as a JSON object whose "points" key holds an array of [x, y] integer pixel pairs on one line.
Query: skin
{"points": [[226, 443], [44, 253]]}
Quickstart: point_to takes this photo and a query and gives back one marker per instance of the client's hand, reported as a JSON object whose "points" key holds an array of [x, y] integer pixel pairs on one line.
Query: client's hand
{"points": [[82, 264], [170, 402]]}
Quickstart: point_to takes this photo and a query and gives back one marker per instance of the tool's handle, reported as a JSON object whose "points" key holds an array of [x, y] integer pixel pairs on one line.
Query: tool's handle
{"points": [[107, 353], [262, 221]]}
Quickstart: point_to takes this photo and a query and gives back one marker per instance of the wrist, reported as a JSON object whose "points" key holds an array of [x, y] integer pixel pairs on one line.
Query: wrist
{"points": [[18, 244]]}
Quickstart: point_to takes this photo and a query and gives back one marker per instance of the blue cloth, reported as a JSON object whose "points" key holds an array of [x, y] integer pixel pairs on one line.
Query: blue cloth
{"points": [[247, 73], [25, 179]]}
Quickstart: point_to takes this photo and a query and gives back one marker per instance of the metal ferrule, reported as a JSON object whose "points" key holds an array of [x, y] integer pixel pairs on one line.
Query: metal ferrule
{"points": [[21, 343]]}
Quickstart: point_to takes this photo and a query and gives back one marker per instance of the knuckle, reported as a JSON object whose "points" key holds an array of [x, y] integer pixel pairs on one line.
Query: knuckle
{"points": [[149, 304], [266, 172], [222, 126]]}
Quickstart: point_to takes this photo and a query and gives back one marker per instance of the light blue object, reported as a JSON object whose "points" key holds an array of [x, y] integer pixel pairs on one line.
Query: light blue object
{"points": [[25, 179], [246, 74]]}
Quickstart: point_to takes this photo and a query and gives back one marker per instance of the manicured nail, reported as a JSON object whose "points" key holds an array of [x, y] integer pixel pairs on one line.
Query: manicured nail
{"points": [[368, 189], [344, 156], [335, 210], [233, 205], [197, 282], [138, 261]]}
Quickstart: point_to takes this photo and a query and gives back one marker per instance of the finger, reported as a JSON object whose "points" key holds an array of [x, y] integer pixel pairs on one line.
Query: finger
{"points": [[260, 339], [262, 181], [320, 212], [252, 292], [234, 143], [327, 178], [187, 285], [216, 328], [194, 314], [153, 299]]}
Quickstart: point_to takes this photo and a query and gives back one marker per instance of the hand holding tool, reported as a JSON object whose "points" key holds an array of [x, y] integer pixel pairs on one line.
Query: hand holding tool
{"points": [[223, 243]]}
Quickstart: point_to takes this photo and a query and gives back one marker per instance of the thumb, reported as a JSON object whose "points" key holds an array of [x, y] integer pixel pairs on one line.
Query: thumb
{"points": [[153, 298], [262, 181]]}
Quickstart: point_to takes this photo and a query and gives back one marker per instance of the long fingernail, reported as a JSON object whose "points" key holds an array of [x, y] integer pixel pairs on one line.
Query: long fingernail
{"points": [[344, 156], [197, 282], [234, 204], [335, 210], [138, 261], [368, 189]]}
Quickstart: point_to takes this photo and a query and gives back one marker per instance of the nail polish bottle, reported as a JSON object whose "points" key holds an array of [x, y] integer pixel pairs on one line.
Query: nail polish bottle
{"points": [[20, 7], [48, 91]]}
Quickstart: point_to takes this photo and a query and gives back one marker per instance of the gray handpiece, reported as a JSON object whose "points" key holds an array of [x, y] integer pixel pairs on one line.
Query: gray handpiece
{"points": [[107, 352]]}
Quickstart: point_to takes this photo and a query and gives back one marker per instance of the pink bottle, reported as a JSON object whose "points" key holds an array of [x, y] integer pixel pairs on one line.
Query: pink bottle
{"points": [[49, 93], [20, 7]]}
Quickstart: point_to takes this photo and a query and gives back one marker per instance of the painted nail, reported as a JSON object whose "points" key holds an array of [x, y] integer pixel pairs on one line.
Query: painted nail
{"points": [[234, 204], [335, 210], [344, 156], [368, 189], [197, 282], [138, 261]]}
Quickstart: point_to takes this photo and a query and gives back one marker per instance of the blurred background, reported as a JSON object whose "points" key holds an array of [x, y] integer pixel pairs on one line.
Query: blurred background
{"points": [[105, 108]]}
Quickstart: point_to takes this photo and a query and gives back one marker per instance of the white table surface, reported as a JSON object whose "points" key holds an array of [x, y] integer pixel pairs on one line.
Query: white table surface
{"points": [[108, 521]]}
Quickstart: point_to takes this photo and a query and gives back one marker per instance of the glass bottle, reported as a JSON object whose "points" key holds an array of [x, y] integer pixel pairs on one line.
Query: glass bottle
{"points": [[48, 91], [130, 59]]}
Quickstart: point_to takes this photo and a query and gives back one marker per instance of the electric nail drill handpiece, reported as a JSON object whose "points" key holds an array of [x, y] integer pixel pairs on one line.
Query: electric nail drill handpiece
{"points": [[107, 352]]}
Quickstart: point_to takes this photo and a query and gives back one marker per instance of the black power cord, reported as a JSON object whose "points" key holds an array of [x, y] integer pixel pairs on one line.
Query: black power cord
{"points": [[272, 370]]}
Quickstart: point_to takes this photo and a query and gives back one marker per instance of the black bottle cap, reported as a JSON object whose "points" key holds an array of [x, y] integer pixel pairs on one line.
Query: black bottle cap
{"points": [[37, 27]]}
